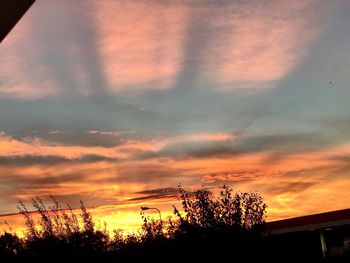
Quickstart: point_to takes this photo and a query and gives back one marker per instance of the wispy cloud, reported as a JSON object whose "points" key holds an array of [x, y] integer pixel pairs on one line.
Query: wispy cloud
{"points": [[141, 43], [60, 58], [233, 44], [263, 42], [35, 146], [96, 49]]}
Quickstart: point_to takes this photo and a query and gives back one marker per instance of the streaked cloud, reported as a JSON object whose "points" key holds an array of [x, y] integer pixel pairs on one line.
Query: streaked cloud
{"points": [[59, 58], [104, 179], [97, 49], [38, 147], [232, 44]]}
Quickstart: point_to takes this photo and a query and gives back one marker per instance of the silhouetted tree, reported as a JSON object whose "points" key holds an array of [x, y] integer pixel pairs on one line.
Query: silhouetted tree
{"points": [[241, 210], [207, 228], [152, 229]]}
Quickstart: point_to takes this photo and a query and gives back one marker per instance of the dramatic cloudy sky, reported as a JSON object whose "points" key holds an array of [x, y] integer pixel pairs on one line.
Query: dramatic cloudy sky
{"points": [[117, 102]]}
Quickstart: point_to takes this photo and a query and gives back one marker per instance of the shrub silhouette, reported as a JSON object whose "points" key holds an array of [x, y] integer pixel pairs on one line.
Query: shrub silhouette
{"points": [[226, 227], [10, 245], [242, 211], [59, 230]]}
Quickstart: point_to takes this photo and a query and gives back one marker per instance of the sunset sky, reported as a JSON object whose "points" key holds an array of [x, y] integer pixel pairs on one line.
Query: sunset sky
{"points": [[117, 102]]}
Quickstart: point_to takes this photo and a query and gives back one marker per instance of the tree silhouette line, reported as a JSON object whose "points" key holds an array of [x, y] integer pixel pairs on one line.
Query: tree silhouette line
{"points": [[227, 227]]}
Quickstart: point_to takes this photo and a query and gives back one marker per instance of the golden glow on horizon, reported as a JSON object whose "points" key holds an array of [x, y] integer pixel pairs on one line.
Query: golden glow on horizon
{"points": [[283, 183]]}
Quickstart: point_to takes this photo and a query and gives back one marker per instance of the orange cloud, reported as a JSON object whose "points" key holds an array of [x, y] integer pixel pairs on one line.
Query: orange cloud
{"points": [[37, 146], [140, 43], [293, 184]]}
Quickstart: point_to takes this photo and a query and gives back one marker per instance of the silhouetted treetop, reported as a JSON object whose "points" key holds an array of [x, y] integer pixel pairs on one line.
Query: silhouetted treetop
{"points": [[203, 209]]}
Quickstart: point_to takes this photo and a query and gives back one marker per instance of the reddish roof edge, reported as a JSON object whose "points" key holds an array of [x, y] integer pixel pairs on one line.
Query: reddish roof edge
{"points": [[314, 221]]}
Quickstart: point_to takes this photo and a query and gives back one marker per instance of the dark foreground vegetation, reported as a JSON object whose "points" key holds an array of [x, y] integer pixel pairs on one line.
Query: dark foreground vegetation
{"points": [[227, 228]]}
